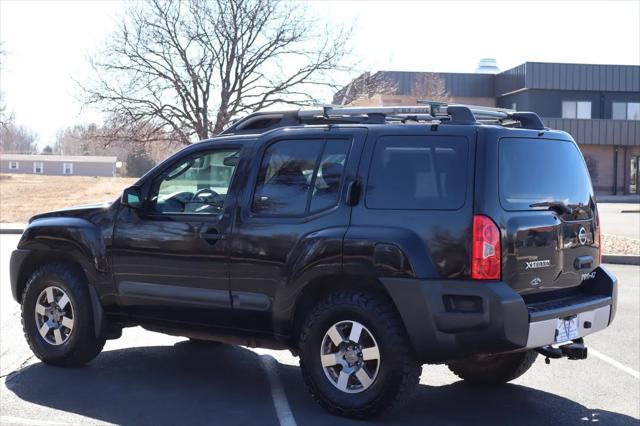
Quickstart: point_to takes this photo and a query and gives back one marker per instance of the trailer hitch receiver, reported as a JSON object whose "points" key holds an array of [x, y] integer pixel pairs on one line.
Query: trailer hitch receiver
{"points": [[574, 351]]}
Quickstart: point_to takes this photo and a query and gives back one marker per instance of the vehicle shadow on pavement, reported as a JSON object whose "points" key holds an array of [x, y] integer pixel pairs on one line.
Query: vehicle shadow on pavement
{"points": [[196, 383]]}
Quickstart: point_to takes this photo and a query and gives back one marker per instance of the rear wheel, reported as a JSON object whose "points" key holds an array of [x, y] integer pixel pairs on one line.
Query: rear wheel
{"points": [[355, 356], [57, 318], [493, 369]]}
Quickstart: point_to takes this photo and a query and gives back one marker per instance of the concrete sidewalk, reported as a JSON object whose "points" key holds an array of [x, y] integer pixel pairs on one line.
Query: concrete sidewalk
{"points": [[633, 199], [12, 228]]}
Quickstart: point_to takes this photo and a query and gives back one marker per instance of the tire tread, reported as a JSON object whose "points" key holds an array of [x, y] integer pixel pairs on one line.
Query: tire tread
{"points": [[511, 367], [87, 349], [411, 370]]}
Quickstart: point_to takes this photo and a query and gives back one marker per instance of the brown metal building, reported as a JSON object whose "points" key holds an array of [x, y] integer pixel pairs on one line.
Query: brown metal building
{"points": [[599, 105]]}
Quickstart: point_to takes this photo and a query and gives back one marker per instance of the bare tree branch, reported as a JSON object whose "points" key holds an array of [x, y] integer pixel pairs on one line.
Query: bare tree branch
{"points": [[423, 85], [186, 68]]}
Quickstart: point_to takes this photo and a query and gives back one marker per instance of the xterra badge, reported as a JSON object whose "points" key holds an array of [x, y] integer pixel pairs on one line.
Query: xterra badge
{"points": [[538, 264]]}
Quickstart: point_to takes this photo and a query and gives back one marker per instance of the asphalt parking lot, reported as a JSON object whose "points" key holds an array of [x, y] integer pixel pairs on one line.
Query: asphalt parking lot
{"points": [[151, 379]]}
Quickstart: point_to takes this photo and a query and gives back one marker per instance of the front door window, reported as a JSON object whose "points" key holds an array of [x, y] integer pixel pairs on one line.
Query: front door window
{"points": [[197, 185]]}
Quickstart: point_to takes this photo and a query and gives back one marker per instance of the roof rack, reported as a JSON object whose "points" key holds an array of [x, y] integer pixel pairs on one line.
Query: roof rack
{"points": [[427, 111]]}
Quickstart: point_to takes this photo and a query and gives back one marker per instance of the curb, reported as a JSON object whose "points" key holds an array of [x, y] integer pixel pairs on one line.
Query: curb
{"points": [[17, 231], [621, 259]]}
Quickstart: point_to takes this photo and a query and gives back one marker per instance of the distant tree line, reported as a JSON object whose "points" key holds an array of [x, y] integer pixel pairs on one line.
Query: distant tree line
{"points": [[16, 139], [91, 139]]}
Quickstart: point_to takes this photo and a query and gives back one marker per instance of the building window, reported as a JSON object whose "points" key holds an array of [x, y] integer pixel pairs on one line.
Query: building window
{"points": [[38, 168], [67, 168], [576, 109], [619, 111], [14, 165], [625, 111]]}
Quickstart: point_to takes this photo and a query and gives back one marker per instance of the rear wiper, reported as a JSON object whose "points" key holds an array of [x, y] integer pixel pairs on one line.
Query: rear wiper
{"points": [[554, 205]]}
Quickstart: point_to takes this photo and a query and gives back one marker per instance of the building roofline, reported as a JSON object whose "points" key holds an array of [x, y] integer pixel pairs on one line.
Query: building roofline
{"points": [[512, 68], [577, 63], [59, 158]]}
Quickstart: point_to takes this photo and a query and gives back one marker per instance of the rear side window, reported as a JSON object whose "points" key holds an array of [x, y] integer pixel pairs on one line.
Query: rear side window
{"points": [[418, 173], [297, 177], [540, 170]]}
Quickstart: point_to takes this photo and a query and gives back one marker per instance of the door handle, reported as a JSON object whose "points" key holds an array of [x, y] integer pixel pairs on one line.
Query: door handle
{"points": [[353, 193], [211, 236], [583, 262]]}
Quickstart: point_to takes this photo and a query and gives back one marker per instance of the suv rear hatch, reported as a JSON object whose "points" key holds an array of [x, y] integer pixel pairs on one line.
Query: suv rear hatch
{"points": [[552, 231]]}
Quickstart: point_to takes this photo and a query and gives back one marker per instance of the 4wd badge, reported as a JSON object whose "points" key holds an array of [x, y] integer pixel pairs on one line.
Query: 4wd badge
{"points": [[538, 264]]}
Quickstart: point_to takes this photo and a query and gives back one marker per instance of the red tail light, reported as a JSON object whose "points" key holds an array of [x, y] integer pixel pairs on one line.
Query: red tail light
{"points": [[485, 256]]}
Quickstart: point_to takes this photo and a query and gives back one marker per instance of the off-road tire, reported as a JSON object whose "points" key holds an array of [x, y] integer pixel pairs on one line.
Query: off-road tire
{"points": [[82, 344], [493, 369], [398, 374]]}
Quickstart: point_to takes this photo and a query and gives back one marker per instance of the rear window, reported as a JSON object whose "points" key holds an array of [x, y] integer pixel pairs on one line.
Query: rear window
{"points": [[539, 170], [418, 173], [300, 176]]}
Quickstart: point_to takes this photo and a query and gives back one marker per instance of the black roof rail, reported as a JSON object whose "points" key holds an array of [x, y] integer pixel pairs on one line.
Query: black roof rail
{"points": [[426, 111], [262, 121], [528, 120]]}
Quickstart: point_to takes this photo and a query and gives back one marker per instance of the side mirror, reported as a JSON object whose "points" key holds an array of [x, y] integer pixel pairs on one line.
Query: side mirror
{"points": [[131, 197], [231, 161]]}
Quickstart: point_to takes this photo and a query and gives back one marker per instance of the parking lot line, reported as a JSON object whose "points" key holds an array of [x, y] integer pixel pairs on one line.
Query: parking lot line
{"points": [[280, 402], [614, 363]]}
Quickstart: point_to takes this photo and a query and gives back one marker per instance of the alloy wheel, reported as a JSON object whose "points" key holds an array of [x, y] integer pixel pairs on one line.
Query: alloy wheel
{"points": [[350, 356], [54, 315]]}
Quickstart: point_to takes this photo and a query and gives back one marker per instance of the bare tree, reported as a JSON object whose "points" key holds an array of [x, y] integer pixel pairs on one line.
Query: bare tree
{"points": [[186, 68], [422, 85], [16, 139], [91, 139], [5, 116], [366, 86], [430, 86]]}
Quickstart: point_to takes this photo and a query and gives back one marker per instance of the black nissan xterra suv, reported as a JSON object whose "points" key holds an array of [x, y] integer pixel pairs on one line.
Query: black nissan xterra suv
{"points": [[368, 241]]}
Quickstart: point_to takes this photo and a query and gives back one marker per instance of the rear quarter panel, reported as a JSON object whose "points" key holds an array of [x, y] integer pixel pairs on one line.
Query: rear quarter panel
{"points": [[429, 244]]}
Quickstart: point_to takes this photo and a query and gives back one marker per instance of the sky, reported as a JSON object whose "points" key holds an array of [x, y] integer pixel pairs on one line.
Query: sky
{"points": [[47, 43]]}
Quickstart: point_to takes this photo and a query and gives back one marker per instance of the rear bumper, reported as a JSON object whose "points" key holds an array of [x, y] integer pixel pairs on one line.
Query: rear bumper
{"points": [[542, 333], [452, 319]]}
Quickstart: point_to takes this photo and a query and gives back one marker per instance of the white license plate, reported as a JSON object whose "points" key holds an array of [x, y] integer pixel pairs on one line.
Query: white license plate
{"points": [[567, 329]]}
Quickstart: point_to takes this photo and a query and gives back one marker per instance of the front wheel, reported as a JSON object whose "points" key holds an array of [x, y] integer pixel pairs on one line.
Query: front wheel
{"points": [[57, 317], [493, 369], [355, 356]]}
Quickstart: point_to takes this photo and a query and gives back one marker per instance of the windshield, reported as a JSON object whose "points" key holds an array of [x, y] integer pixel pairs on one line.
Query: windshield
{"points": [[534, 171]]}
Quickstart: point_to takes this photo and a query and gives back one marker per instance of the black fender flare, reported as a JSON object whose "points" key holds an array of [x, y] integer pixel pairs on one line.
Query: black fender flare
{"points": [[66, 239]]}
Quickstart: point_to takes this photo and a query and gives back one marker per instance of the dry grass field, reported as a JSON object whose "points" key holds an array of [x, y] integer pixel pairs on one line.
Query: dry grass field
{"points": [[22, 196]]}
